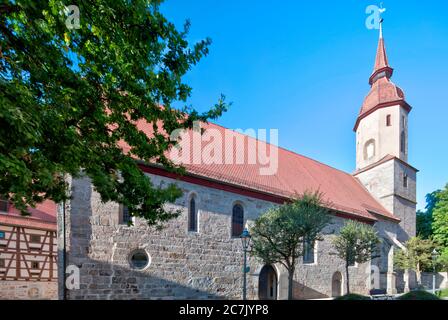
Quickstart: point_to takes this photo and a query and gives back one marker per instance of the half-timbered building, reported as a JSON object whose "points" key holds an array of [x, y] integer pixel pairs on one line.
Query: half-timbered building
{"points": [[28, 252]]}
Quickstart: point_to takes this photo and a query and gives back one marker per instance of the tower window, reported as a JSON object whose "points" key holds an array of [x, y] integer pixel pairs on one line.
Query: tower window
{"points": [[34, 265], [405, 180], [125, 216], [237, 220], [388, 120], [192, 215], [308, 252], [369, 149], [403, 142]]}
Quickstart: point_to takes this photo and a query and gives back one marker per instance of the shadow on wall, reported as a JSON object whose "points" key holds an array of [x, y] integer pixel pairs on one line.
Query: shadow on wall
{"points": [[100, 280], [302, 292], [441, 280]]}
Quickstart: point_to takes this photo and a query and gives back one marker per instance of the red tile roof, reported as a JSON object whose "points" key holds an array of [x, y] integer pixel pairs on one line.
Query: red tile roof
{"points": [[383, 92], [295, 174], [381, 62], [42, 217]]}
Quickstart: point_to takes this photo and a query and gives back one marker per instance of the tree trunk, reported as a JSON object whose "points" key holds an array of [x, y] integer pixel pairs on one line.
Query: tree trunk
{"points": [[290, 282], [348, 278], [419, 275]]}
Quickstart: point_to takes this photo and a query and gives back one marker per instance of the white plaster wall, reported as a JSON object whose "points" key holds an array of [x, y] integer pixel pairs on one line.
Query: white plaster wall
{"points": [[387, 139]]}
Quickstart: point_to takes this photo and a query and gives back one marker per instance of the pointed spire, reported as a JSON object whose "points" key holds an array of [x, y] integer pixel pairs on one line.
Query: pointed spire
{"points": [[381, 28], [381, 68]]}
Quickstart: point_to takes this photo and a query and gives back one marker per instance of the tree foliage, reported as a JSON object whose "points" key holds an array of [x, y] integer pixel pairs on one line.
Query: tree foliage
{"points": [[425, 218], [440, 217], [279, 234], [69, 97], [356, 243], [433, 224], [416, 256], [442, 262], [440, 227]]}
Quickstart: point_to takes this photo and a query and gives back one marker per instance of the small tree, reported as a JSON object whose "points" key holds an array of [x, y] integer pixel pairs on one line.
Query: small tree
{"points": [[357, 242], [425, 218], [279, 234], [442, 262], [416, 256], [440, 218]]}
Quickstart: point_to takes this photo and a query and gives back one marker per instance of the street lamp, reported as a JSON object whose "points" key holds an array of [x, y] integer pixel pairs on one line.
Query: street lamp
{"points": [[434, 256], [245, 240]]}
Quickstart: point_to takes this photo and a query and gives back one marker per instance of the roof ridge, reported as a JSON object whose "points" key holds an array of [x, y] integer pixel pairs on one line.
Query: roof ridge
{"points": [[298, 173]]}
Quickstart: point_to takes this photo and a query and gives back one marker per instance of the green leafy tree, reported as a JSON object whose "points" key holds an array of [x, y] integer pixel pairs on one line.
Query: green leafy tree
{"points": [[356, 243], [442, 262], [440, 219], [279, 234], [425, 218], [70, 96], [416, 256]]}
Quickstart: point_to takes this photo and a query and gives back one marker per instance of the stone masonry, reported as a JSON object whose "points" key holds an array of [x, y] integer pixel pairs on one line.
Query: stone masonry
{"points": [[28, 290], [185, 265]]}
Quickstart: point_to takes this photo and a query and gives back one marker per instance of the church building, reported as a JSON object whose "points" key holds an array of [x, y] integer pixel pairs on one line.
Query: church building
{"points": [[199, 254]]}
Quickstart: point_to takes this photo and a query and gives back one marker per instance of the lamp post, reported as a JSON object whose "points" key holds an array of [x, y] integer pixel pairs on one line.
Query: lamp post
{"points": [[434, 256], [245, 240]]}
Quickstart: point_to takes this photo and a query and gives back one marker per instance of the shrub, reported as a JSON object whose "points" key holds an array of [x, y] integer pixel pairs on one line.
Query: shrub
{"points": [[353, 296], [418, 295], [442, 293]]}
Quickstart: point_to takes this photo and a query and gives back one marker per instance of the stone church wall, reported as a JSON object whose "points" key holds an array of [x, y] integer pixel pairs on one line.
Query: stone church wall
{"points": [[440, 277], [184, 265]]}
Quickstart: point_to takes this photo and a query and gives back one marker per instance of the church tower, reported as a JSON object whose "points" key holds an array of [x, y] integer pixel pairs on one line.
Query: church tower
{"points": [[382, 145]]}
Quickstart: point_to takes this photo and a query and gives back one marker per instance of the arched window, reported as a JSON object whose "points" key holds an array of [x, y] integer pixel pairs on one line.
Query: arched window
{"points": [[403, 142], [237, 220], [308, 251], [369, 149], [336, 284], [388, 120], [124, 215], [192, 215], [405, 180]]}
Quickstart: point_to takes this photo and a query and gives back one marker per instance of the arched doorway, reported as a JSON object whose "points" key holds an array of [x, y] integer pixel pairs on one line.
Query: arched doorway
{"points": [[336, 285], [267, 283]]}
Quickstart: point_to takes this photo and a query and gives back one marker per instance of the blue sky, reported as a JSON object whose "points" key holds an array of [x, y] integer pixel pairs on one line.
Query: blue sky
{"points": [[303, 66]]}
